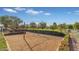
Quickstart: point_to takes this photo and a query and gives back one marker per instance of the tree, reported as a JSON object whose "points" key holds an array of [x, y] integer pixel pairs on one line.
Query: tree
{"points": [[64, 26], [33, 25], [27, 26], [42, 25], [10, 21], [51, 27], [76, 26], [5, 21], [54, 26], [70, 26], [60, 27], [16, 22]]}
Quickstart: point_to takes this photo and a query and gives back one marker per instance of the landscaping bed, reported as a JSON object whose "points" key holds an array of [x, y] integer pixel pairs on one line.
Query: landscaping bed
{"points": [[3, 45]]}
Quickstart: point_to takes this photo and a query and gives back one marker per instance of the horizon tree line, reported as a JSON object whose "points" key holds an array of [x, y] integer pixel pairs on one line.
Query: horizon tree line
{"points": [[14, 22], [43, 25]]}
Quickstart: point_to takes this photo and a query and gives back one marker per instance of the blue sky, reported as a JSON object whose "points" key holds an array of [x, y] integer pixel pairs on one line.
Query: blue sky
{"points": [[43, 14]]}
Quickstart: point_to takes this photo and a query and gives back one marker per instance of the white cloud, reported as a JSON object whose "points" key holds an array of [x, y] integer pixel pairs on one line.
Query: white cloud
{"points": [[47, 14], [19, 9], [10, 10], [41, 11], [76, 12], [33, 12], [28, 11]]}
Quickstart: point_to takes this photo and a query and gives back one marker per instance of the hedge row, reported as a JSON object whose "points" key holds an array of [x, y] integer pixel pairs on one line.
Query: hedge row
{"points": [[47, 32], [37, 31]]}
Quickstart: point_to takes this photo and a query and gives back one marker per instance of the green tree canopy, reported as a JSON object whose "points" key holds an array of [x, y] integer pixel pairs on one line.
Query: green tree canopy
{"points": [[70, 26], [76, 25], [10, 21], [42, 25], [33, 25], [54, 25]]}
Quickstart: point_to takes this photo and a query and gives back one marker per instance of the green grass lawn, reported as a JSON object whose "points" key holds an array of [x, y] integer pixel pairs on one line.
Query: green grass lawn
{"points": [[2, 42]]}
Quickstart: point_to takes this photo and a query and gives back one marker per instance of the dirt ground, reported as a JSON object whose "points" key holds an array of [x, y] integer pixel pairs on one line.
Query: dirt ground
{"points": [[34, 42]]}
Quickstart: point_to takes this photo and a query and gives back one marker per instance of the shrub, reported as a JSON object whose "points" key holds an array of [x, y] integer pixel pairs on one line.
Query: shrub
{"points": [[65, 44]]}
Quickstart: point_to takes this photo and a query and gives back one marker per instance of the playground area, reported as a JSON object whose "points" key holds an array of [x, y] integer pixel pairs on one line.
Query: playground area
{"points": [[33, 42]]}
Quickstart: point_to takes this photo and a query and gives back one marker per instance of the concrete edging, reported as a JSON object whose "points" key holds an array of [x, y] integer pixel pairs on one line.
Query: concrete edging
{"points": [[9, 49]]}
